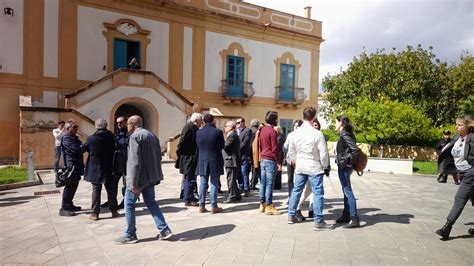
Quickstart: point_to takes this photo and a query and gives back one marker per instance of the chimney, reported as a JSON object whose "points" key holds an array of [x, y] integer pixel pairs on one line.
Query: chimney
{"points": [[307, 12]]}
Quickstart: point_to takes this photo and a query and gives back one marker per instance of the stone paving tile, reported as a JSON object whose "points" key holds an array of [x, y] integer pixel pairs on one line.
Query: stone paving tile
{"points": [[399, 215]]}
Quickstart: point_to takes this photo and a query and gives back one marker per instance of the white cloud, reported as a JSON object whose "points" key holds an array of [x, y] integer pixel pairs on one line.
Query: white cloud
{"points": [[348, 26]]}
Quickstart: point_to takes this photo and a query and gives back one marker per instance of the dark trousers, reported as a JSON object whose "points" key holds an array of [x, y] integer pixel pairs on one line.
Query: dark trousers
{"points": [[189, 187], [68, 195], [465, 192], [291, 178], [255, 176], [111, 186], [57, 157], [232, 175]]}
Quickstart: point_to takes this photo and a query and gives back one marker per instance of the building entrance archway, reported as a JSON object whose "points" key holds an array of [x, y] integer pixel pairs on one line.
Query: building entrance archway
{"points": [[130, 108]]}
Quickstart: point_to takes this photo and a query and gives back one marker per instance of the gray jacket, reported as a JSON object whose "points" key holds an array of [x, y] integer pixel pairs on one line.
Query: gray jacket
{"points": [[144, 160]]}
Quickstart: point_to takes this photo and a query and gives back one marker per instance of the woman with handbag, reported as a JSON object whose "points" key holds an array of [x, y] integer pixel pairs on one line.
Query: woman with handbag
{"points": [[346, 152], [73, 165]]}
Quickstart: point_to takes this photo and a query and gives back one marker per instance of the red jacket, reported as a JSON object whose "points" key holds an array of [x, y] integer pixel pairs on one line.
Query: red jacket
{"points": [[268, 143]]}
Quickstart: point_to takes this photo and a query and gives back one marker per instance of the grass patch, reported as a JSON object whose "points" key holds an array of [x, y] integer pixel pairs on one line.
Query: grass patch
{"points": [[425, 167], [13, 174]]}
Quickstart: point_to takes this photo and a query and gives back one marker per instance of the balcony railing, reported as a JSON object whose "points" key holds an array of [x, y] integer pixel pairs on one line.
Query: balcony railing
{"points": [[236, 90], [289, 95]]}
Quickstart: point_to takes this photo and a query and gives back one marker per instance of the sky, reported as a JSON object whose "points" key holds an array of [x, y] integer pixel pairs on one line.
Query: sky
{"points": [[351, 26]]}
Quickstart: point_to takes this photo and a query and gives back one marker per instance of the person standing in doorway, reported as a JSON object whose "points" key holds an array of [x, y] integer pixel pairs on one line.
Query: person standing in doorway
{"points": [[210, 142], [58, 133], [143, 174]]}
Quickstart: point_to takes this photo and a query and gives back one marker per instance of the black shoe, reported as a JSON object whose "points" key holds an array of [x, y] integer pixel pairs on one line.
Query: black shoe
{"points": [[104, 205], [115, 214], [75, 208], [343, 219], [63, 212], [310, 214], [220, 191], [120, 206], [445, 230], [247, 193], [323, 226], [299, 216], [354, 223]]}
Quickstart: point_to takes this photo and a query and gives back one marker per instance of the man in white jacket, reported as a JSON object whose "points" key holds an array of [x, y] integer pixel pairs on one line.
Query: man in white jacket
{"points": [[309, 149]]}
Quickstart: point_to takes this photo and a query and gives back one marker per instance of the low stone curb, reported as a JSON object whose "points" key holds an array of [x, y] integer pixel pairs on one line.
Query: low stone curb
{"points": [[22, 184]]}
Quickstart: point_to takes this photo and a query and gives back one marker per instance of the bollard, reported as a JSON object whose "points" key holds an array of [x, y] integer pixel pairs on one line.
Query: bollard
{"points": [[31, 166]]}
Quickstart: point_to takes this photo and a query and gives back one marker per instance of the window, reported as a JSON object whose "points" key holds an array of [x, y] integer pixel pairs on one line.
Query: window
{"points": [[235, 76], [287, 82], [124, 51]]}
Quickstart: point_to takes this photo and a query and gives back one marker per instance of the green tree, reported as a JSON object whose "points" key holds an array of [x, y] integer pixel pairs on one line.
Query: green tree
{"points": [[414, 77], [392, 122]]}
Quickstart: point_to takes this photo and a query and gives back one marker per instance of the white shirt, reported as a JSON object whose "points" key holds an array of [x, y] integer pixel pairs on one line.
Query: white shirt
{"points": [[458, 154], [309, 148], [58, 134]]}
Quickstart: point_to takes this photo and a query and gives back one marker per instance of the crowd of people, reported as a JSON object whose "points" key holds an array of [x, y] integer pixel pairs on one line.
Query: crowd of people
{"points": [[247, 156]]}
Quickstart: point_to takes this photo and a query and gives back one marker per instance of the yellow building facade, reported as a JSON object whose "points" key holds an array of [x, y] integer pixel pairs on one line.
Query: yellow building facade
{"points": [[63, 59]]}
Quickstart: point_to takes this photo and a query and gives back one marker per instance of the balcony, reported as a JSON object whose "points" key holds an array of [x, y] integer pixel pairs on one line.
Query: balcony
{"points": [[236, 91], [289, 96]]}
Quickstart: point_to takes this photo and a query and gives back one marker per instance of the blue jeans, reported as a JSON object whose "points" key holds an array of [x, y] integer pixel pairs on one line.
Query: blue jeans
{"points": [[268, 173], [203, 190], [349, 198], [316, 182], [149, 198], [57, 157], [189, 183], [245, 169]]}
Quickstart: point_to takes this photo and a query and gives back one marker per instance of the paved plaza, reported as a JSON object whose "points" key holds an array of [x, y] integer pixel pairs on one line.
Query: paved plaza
{"points": [[398, 214]]}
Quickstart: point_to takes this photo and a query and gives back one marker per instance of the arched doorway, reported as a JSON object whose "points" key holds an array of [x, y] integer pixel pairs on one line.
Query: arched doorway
{"points": [[129, 109]]}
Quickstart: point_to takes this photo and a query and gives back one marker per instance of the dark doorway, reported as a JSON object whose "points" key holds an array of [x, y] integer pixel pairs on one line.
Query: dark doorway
{"points": [[124, 51], [127, 110]]}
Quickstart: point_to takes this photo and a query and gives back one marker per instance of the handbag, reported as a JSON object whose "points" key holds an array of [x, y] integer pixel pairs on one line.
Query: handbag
{"points": [[66, 177]]}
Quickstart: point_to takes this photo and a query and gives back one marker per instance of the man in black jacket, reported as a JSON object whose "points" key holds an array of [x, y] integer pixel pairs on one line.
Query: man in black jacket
{"points": [[245, 136], [101, 148], [445, 159], [232, 163], [187, 158], [255, 171], [72, 155]]}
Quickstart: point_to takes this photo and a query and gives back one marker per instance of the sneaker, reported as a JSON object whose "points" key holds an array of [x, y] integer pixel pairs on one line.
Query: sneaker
{"points": [[93, 217], [126, 240], [165, 235], [292, 220], [63, 212], [323, 226]]}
